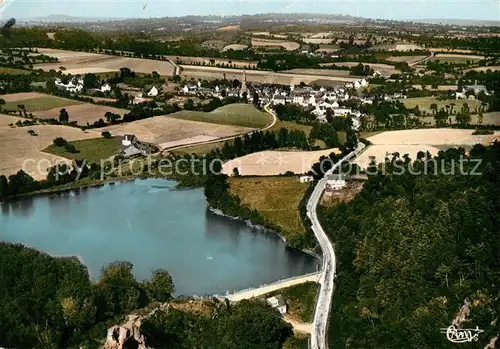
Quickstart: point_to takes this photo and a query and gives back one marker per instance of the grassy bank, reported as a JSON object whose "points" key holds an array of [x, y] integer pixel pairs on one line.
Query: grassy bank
{"points": [[278, 200], [41, 103], [245, 115], [94, 150], [301, 300]]}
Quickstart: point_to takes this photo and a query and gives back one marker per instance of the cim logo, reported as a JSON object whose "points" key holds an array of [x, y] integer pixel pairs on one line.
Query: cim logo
{"points": [[462, 335]]}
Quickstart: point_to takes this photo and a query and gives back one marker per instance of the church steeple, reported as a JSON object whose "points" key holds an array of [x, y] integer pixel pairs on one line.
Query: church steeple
{"points": [[243, 88]]}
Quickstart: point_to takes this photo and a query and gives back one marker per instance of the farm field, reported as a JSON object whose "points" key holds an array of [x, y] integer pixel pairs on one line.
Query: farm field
{"points": [[446, 49], [276, 198], [274, 162], [93, 150], [424, 103], [244, 115], [406, 47], [290, 126], [385, 69], [317, 41], [492, 68], [15, 97], [82, 113], [234, 47], [168, 132], [322, 72], [215, 44], [229, 27], [258, 76], [103, 99], [287, 45], [13, 71], [407, 59], [83, 62], [412, 141], [19, 147], [439, 88], [206, 148], [36, 102], [206, 60], [328, 48], [492, 118], [200, 148], [5, 120], [455, 58]]}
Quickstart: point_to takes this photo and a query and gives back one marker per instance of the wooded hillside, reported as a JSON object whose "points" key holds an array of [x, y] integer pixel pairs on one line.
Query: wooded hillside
{"points": [[412, 249]]}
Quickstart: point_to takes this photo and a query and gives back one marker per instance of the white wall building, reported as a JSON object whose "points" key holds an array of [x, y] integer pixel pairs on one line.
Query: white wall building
{"points": [[306, 179], [153, 92], [335, 182], [105, 88], [278, 302], [127, 140]]}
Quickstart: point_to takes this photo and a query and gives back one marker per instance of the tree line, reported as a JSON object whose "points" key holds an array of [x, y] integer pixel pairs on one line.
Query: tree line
{"points": [[51, 303]]}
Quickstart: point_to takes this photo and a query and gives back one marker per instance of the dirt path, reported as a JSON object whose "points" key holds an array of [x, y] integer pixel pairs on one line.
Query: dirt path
{"points": [[299, 327]]}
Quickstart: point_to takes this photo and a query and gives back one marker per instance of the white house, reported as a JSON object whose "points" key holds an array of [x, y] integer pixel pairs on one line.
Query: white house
{"points": [[335, 182], [279, 99], [105, 88], [153, 92], [278, 302], [305, 179], [73, 85], [127, 140], [341, 111], [475, 88]]}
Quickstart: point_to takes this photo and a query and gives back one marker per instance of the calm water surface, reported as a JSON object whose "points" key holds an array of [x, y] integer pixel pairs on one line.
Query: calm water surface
{"points": [[153, 225]]}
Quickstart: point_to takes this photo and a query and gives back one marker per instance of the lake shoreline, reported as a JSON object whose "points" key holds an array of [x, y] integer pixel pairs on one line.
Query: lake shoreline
{"points": [[184, 228], [263, 229], [97, 183]]}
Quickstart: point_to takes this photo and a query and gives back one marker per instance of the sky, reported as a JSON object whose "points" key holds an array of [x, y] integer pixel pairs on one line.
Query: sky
{"points": [[389, 9]]}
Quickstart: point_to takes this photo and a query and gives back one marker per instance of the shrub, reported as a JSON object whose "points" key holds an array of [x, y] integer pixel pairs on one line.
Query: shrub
{"points": [[483, 132], [59, 142], [106, 134], [33, 133], [70, 148]]}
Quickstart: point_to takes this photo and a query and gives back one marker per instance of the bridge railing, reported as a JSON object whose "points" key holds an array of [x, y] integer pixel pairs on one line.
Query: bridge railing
{"points": [[276, 283]]}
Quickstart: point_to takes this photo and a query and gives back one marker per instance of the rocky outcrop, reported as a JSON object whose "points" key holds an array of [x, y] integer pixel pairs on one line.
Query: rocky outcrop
{"points": [[128, 332]]}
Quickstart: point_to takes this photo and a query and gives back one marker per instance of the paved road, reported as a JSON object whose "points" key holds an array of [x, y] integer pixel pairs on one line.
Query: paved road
{"points": [[421, 60], [320, 323], [256, 292], [266, 108]]}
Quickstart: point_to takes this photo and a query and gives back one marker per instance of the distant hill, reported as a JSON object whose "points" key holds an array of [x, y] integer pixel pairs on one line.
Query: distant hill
{"points": [[65, 19], [473, 22], [261, 18]]}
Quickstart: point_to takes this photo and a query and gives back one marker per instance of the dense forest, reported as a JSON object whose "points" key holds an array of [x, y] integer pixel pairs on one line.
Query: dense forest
{"points": [[412, 249], [50, 303]]}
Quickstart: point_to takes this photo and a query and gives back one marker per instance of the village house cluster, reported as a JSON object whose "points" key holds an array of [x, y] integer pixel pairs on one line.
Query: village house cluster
{"points": [[75, 85], [471, 91]]}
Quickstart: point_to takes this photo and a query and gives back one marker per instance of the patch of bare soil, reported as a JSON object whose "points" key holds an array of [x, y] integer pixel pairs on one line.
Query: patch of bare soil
{"points": [[344, 195], [167, 132]]}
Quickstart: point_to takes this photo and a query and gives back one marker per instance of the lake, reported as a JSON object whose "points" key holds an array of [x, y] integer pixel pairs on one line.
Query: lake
{"points": [[153, 225]]}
